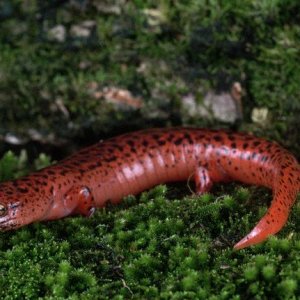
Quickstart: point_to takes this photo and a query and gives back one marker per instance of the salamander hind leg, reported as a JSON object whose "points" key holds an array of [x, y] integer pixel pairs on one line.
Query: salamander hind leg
{"points": [[83, 198], [203, 180], [205, 176]]}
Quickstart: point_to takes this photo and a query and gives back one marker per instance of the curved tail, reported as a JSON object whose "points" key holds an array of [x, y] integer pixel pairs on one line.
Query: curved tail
{"points": [[285, 194]]}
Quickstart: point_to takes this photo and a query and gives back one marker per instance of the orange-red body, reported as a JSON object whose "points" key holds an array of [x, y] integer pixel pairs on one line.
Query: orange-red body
{"points": [[133, 162]]}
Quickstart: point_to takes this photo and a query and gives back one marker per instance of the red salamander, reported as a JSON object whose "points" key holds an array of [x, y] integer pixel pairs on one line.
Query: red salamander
{"points": [[133, 162]]}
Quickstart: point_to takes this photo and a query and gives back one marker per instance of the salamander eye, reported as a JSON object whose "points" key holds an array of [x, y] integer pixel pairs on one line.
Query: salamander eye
{"points": [[3, 210]]}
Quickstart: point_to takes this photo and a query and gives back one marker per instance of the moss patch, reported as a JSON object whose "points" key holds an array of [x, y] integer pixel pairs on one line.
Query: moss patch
{"points": [[152, 246]]}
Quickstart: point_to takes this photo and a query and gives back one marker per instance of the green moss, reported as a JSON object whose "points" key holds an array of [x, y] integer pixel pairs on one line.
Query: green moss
{"points": [[250, 273], [149, 247], [268, 272], [287, 288], [159, 51]]}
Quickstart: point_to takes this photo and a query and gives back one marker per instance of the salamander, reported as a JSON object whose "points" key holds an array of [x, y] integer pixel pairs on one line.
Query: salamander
{"points": [[133, 162]]}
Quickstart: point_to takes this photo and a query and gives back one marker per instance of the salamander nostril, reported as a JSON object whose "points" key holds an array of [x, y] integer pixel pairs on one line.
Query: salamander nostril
{"points": [[15, 205]]}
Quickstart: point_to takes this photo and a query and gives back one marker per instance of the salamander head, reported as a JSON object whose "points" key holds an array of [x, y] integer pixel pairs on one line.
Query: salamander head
{"points": [[19, 206], [9, 216]]}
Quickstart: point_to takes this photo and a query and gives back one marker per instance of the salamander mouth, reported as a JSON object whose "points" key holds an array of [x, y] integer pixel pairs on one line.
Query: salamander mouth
{"points": [[8, 223]]}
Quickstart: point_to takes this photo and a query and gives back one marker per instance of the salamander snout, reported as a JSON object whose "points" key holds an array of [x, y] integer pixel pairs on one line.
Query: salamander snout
{"points": [[9, 216], [13, 208]]}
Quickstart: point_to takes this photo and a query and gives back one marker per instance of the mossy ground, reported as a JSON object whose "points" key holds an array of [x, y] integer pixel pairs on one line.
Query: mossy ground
{"points": [[165, 243], [152, 246]]}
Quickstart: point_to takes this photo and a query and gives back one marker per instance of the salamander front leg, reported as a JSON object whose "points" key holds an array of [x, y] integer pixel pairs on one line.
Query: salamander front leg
{"points": [[83, 200], [202, 180]]}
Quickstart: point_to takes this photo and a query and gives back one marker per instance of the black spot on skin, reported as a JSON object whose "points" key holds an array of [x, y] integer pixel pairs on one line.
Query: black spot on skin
{"points": [[109, 159], [22, 190], [225, 150], [133, 150], [155, 136], [161, 142], [233, 145], [130, 143], [264, 158], [178, 141], [217, 138], [188, 138], [205, 165], [145, 143], [15, 183], [170, 137], [231, 137], [245, 145], [256, 143], [50, 172], [92, 166], [268, 147]]}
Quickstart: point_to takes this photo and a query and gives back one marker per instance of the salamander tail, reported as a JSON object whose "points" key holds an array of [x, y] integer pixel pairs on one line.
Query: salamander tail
{"points": [[258, 234], [286, 188], [267, 226], [272, 221]]}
